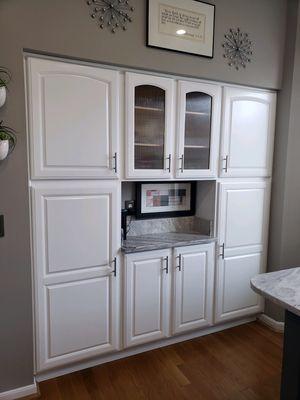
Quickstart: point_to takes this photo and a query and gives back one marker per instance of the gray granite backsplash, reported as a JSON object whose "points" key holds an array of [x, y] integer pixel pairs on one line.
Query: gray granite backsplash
{"points": [[163, 225]]}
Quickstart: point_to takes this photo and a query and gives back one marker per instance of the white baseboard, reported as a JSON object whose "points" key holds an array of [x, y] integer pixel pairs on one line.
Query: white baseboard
{"points": [[276, 326], [19, 392], [42, 376]]}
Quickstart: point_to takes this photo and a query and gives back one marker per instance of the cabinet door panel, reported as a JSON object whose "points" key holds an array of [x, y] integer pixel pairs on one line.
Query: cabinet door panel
{"points": [[243, 216], [149, 126], [74, 310], [193, 287], [86, 219], [76, 225], [73, 120], [146, 297], [243, 230], [248, 133], [235, 298], [75, 239], [198, 129]]}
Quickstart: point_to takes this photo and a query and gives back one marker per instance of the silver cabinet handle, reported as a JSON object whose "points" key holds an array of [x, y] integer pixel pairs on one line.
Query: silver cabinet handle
{"points": [[225, 169], [114, 263], [181, 159], [115, 158], [179, 266], [222, 253], [166, 259], [169, 163]]}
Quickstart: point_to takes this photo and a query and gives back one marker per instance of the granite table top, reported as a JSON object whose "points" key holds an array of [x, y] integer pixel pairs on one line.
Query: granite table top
{"points": [[136, 244], [281, 287]]}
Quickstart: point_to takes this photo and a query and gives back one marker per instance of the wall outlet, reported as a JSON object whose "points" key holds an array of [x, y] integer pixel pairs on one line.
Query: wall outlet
{"points": [[1, 225], [130, 206]]}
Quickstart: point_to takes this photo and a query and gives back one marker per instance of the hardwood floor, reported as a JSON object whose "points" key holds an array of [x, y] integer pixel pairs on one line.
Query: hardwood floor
{"points": [[242, 363]]}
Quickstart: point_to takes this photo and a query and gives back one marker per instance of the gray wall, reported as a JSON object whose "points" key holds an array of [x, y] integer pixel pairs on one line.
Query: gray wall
{"points": [[284, 246], [64, 27]]}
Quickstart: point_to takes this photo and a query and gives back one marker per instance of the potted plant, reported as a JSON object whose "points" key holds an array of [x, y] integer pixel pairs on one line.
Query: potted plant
{"points": [[5, 78], [8, 140]]}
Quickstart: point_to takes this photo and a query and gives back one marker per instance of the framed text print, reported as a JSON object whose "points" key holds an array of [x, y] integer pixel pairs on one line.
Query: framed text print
{"points": [[181, 25], [165, 199]]}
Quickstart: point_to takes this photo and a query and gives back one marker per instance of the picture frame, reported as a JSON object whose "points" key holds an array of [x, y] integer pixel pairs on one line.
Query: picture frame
{"points": [[165, 199], [185, 26]]}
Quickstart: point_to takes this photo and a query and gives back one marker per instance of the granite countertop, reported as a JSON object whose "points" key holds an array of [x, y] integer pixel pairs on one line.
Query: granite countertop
{"points": [[282, 287], [136, 244]]}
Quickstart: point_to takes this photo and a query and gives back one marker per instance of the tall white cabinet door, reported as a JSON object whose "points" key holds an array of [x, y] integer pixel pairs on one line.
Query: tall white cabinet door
{"points": [[76, 273], [193, 287], [198, 130], [243, 229], [73, 113], [247, 133], [149, 126], [147, 292]]}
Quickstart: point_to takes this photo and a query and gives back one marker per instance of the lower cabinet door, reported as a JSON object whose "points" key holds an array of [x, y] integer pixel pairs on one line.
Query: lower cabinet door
{"points": [[234, 296], [193, 287], [147, 290], [80, 320], [76, 292]]}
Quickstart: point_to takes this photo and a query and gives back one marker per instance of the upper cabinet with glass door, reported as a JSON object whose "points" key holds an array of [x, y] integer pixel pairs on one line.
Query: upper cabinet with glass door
{"points": [[198, 130], [150, 126]]}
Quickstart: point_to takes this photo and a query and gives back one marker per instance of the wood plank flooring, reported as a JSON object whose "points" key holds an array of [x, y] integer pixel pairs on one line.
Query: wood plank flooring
{"points": [[242, 363]]}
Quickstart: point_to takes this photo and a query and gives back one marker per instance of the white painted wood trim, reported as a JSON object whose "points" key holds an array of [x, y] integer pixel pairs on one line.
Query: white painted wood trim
{"points": [[126, 68], [271, 323], [19, 392], [141, 349]]}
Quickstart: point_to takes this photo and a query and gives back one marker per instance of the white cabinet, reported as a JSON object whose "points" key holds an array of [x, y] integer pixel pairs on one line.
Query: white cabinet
{"points": [[199, 107], [147, 293], [75, 244], [149, 297], [193, 287], [73, 113], [149, 114], [235, 298], [247, 133], [243, 230]]}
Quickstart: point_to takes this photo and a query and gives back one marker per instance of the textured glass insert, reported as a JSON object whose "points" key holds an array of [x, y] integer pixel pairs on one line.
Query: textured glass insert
{"points": [[197, 130], [149, 127]]}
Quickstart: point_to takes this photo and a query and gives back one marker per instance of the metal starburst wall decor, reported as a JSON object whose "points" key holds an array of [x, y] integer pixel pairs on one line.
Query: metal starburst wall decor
{"points": [[113, 14], [237, 48]]}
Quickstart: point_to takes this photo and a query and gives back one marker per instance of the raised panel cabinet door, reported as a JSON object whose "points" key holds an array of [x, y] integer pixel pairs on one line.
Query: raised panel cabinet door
{"points": [[198, 130], [243, 216], [73, 115], [234, 296], [193, 287], [247, 133], [149, 126], [75, 242], [147, 303]]}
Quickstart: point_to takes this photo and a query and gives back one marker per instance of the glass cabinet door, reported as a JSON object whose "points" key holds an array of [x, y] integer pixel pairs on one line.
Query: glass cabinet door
{"points": [[149, 132], [197, 135], [198, 130], [150, 123]]}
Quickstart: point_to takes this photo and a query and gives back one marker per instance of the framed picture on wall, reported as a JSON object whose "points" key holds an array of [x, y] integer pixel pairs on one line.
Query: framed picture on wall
{"points": [[181, 25], [165, 199]]}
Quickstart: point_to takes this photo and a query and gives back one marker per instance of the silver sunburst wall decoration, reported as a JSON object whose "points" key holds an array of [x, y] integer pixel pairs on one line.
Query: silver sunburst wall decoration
{"points": [[238, 48], [113, 14]]}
